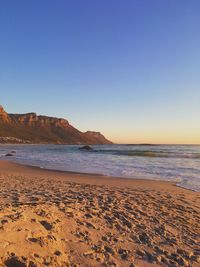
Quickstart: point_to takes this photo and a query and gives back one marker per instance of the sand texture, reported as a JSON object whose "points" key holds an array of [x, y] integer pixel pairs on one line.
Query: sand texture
{"points": [[52, 218]]}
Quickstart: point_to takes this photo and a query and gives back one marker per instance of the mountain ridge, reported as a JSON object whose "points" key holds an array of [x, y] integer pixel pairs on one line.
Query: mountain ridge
{"points": [[41, 129]]}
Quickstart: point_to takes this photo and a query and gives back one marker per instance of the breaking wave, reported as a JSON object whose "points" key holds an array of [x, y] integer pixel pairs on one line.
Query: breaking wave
{"points": [[150, 153]]}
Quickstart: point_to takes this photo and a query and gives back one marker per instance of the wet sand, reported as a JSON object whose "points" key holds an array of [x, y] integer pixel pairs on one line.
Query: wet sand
{"points": [[52, 218]]}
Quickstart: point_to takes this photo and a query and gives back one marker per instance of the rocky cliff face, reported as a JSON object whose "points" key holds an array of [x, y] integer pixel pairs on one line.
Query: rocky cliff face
{"points": [[3, 115], [31, 119], [43, 129]]}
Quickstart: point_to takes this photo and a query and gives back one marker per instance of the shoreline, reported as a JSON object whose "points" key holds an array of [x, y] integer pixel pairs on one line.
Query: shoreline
{"points": [[84, 177], [105, 177], [178, 165]]}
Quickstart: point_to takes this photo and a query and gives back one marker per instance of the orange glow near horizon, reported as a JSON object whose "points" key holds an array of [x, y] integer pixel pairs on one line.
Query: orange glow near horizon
{"points": [[159, 137]]}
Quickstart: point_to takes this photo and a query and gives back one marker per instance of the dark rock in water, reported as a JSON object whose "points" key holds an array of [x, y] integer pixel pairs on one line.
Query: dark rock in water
{"points": [[9, 155], [87, 148], [13, 152]]}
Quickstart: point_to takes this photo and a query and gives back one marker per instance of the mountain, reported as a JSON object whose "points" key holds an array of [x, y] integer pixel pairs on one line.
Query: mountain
{"points": [[31, 128]]}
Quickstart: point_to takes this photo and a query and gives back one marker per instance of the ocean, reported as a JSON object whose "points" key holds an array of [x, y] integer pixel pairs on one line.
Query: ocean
{"points": [[177, 163]]}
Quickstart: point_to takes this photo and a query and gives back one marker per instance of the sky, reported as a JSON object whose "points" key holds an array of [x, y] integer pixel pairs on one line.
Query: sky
{"points": [[130, 69]]}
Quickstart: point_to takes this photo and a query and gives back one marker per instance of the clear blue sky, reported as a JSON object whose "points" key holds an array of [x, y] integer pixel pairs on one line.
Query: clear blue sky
{"points": [[130, 69]]}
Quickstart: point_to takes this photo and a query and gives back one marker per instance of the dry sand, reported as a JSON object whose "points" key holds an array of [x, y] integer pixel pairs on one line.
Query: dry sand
{"points": [[51, 218]]}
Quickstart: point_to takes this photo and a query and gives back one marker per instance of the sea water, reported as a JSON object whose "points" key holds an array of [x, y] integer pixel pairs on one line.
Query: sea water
{"points": [[178, 163]]}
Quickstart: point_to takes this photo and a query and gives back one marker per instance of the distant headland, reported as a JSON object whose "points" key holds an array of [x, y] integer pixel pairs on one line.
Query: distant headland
{"points": [[31, 128]]}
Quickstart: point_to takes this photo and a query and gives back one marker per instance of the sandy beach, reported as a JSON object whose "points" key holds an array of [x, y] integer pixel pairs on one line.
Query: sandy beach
{"points": [[53, 218]]}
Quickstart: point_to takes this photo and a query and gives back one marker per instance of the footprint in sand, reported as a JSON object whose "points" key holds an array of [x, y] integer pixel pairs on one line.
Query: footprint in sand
{"points": [[46, 225], [14, 262]]}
